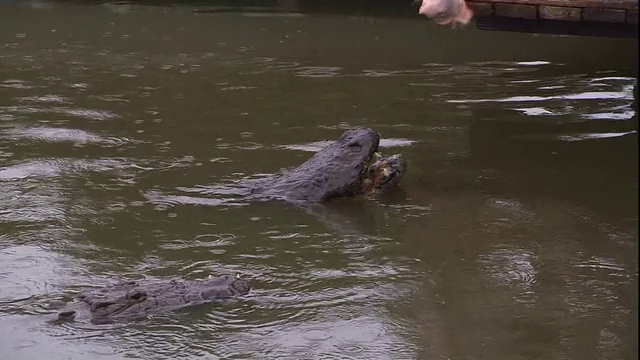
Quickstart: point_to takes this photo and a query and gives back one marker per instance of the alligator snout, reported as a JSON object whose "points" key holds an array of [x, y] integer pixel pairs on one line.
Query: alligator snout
{"points": [[241, 286]]}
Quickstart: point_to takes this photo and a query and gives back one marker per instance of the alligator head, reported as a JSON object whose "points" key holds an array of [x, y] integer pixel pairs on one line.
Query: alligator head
{"points": [[135, 300], [350, 166], [104, 308]]}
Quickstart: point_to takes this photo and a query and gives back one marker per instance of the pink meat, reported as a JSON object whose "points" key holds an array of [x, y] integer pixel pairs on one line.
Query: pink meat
{"points": [[447, 12]]}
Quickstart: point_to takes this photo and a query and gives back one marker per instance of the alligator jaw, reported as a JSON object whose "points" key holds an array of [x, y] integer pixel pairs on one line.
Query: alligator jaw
{"points": [[383, 174]]}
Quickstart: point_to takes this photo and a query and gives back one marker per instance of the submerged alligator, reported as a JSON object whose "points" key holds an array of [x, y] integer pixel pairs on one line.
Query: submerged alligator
{"points": [[349, 166], [135, 300]]}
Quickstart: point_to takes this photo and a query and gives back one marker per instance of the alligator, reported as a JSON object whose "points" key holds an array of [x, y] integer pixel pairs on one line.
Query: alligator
{"points": [[349, 166], [134, 300]]}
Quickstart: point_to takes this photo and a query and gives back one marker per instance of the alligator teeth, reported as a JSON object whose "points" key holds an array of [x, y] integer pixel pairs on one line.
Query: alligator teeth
{"points": [[377, 155]]}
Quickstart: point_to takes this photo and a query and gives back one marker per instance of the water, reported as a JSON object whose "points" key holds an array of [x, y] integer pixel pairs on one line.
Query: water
{"points": [[123, 129]]}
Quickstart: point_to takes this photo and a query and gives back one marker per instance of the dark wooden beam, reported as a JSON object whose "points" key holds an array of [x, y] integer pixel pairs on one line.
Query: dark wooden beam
{"points": [[543, 26], [594, 4]]}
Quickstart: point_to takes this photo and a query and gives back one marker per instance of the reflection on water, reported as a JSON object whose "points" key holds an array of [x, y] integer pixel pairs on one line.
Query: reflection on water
{"points": [[125, 129]]}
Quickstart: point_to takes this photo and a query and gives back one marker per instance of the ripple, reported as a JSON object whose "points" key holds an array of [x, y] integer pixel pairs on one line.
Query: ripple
{"points": [[510, 267], [30, 169], [302, 294], [45, 168], [412, 210], [317, 71], [36, 192], [610, 115], [250, 61], [283, 65], [49, 134], [316, 334], [384, 73], [29, 271], [535, 111], [237, 87], [224, 190], [15, 84], [247, 145], [46, 99], [272, 14], [533, 63], [430, 70], [169, 341], [29, 338], [354, 333], [113, 97], [598, 285], [592, 136], [203, 241], [365, 336], [311, 147], [588, 95], [162, 202], [622, 89], [90, 114], [512, 206], [600, 263], [395, 142], [319, 145]]}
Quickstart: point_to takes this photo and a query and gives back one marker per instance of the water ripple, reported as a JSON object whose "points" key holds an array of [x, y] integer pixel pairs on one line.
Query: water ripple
{"points": [[44, 168], [31, 271], [90, 114], [15, 84], [78, 209], [162, 202], [429, 70], [319, 145], [49, 134], [609, 266], [511, 267], [273, 321], [202, 241], [589, 95], [46, 99]]}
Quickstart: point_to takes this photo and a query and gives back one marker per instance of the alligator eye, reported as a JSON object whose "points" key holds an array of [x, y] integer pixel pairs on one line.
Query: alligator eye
{"points": [[137, 295]]}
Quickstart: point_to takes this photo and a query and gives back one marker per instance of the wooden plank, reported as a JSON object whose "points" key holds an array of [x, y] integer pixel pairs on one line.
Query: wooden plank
{"points": [[599, 4], [543, 26], [516, 11], [560, 13], [482, 9], [603, 15], [631, 17]]}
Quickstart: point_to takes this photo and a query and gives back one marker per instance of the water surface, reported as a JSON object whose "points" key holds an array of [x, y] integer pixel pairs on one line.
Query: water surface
{"points": [[123, 129]]}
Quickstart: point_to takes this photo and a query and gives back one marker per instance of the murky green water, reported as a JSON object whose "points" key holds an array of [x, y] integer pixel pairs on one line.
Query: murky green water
{"points": [[514, 235]]}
